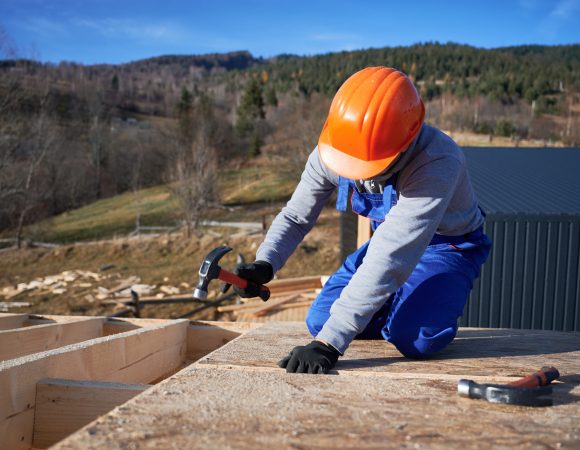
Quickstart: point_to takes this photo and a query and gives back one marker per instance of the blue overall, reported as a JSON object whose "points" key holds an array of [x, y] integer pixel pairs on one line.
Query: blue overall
{"points": [[421, 317]]}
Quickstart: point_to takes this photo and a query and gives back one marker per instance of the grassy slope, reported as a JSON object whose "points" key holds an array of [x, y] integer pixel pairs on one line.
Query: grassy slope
{"points": [[159, 207]]}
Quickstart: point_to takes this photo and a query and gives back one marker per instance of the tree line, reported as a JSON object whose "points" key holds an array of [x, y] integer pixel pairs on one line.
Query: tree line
{"points": [[71, 134]]}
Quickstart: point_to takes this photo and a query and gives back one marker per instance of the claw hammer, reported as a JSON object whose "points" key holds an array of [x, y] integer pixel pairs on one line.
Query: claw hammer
{"points": [[210, 270]]}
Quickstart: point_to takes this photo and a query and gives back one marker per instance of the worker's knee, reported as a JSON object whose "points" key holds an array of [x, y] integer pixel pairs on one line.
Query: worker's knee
{"points": [[421, 342]]}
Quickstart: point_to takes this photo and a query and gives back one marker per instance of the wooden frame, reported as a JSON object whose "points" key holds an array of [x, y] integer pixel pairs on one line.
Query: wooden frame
{"points": [[139, 356], [65, 406], [33, 339], [58, 373]]}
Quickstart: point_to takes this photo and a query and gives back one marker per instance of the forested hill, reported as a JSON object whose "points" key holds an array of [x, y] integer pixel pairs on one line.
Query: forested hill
{"points": [[506, 74], [71, 134]]}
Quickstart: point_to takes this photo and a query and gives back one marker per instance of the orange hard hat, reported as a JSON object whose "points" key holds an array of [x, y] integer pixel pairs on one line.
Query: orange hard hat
{"points": [[373, 117]]}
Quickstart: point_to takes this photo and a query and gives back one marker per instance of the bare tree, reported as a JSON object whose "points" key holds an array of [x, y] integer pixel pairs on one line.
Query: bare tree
{"points": [[195, 168]]}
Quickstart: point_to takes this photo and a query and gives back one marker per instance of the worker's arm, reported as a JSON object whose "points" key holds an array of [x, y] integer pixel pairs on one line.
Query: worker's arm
{"points": [[300, 214], [425, 191]]}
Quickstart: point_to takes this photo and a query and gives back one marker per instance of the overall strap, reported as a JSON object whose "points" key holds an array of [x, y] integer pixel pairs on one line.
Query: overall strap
{"points": [[342, 195], [390, 191]]}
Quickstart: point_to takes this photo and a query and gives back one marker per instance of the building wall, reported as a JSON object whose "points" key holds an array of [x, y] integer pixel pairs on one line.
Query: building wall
{"points": [[531, 279]]}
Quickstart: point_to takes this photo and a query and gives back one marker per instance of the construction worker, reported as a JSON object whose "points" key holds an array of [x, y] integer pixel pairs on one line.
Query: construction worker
{"points": [[409, 283]]}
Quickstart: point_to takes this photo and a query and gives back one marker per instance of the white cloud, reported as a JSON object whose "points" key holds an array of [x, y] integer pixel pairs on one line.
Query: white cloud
{"points": [[130, 28], [565, 8], [563, 11], [41, 26]]}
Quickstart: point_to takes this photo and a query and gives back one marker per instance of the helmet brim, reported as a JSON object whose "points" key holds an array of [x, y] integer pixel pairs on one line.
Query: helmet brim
{"points": [[348, 166]]}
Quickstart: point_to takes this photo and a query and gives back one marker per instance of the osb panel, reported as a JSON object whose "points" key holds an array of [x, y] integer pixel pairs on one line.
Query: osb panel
{"points": [[482, 352], [233, 408]]}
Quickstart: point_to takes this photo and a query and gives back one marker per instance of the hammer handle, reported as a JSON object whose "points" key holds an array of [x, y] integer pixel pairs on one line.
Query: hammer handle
{"points": [[542, 377], [242, 283]]}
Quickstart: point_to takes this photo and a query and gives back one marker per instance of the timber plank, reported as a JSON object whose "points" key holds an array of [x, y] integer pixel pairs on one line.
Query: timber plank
{"points": [[11, 321], [137, 356], [64, 406], [205, 337], [33, 339]]}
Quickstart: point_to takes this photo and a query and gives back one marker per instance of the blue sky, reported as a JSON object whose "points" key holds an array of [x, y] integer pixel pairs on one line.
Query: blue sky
{"points": [[114, 31]]}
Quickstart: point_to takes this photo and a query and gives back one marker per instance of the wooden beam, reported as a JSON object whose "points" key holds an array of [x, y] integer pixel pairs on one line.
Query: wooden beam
{"points": [[295, 284], [363, 231], [116, 325], [65, 406], [205, 337], [263, 309], [137, 356], [11, 321], [34, 339]]}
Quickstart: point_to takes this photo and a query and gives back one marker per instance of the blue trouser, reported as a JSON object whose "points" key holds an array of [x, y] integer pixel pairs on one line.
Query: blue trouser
{"points": [[421, 317]]}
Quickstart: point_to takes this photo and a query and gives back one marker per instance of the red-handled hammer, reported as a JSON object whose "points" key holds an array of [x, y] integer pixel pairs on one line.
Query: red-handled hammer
{"points": [[210, 270]]}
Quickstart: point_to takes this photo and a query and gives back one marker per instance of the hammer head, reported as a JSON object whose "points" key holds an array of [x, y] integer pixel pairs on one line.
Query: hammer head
{"points": [[209, 270], [498, 393]]}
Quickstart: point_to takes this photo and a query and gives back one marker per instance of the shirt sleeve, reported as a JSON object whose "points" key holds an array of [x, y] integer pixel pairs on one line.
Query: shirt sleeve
{"points": [[394, 250], [300, 214]]}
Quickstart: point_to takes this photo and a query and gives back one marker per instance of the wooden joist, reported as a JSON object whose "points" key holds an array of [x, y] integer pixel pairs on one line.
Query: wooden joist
{"points": [[32, 339], [205, 337], [11, 321], [137, 356], [64, 406]]}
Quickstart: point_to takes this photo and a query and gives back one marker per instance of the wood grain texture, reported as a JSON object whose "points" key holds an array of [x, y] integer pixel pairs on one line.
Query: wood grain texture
{"points": [[205, 337], [64, 406], [485, 352], [10, 321], [27, 340], [137, 356], [272, 409]]}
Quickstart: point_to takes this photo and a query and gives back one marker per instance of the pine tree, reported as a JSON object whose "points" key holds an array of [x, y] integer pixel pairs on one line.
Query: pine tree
{"points": [[251, 108], [255, 145]]}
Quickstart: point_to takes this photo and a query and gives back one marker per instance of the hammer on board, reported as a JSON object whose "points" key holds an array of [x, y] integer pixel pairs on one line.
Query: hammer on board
{"points": [[527, 391], [210, 270]]}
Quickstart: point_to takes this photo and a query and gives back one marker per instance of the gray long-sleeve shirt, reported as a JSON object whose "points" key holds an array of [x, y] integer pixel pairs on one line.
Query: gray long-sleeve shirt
{"points": [[435, 196]]}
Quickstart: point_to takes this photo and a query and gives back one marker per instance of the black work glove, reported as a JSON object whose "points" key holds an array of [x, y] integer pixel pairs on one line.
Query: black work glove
{"points": [[315, 357], [257, 273]]}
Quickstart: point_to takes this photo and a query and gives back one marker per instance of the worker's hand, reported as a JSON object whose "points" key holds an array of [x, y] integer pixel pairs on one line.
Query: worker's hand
{"points": [[315, 357], [257, 273]]}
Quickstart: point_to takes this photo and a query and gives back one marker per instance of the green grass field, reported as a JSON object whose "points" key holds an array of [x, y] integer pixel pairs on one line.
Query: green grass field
{"points": [[158, 206]]}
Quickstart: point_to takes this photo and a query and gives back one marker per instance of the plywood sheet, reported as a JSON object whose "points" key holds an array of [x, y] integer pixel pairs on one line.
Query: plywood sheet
{"points": [[203, 407], [475, 352]]}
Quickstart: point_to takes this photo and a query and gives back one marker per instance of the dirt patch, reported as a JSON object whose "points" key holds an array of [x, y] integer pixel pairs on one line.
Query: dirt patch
{"points": [[169, 261]]}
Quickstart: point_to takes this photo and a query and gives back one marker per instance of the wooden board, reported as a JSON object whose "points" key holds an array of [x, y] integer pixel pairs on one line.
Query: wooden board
{"points": [[364, 232], [285, 313], [205, 337], [285, 285], [11, 321], [33, 339], [137, 356], [64, 406], [375, 400], [475, 352]]}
